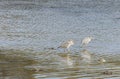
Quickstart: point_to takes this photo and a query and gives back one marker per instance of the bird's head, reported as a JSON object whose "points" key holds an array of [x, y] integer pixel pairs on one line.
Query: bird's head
{"points": [[91, 37], [71, 42]]}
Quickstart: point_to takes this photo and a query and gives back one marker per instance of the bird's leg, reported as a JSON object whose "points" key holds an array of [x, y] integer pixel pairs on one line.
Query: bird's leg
{"points": [[68, 50], [83, 45], [65, 50]]}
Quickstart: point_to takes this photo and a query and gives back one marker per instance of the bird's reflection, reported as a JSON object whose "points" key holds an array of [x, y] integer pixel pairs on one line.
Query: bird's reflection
{"points": [[90, 58], [69, 60], [85, 56]]}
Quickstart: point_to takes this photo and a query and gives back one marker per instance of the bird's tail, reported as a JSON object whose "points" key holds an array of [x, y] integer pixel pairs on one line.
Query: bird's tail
{"points": [[52, 48], [59, 47]]}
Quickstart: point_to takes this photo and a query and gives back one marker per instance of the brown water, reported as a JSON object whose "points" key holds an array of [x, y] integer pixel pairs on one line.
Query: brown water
{"points": [[50, 65]]}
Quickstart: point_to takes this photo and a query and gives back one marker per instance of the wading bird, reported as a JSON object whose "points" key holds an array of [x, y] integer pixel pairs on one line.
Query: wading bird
{"points": [[67, 44], [86, 40], [102, 60]]}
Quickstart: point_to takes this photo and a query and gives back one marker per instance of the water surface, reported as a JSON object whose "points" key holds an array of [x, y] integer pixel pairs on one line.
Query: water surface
{"points": [[28, 28]]}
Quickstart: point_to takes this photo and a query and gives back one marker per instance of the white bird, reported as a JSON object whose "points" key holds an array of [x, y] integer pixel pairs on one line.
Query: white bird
{"points": [[67, 44], [86, 40], [102, 60]]}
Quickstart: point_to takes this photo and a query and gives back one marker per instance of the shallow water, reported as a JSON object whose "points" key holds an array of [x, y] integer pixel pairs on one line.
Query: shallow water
{"points": [[50, 65], [30, 30]]}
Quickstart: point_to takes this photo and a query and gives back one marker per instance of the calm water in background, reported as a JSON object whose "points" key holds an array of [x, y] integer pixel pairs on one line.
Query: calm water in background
{"points": [[28, 27]]}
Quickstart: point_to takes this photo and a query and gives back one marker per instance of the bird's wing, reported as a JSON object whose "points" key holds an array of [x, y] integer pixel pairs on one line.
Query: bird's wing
{"points": [[64, 44]]}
